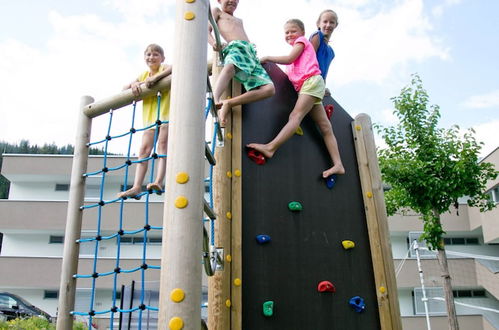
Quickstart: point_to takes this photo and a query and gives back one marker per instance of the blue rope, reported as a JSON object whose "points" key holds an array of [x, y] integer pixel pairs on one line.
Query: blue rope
{"points": [[121, 233]]}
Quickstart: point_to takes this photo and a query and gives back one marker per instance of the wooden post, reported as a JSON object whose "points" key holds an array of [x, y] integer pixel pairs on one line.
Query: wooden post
{"points": [[377, 223], [237, 214], [67, 289], [180, 279], [219, 299]]}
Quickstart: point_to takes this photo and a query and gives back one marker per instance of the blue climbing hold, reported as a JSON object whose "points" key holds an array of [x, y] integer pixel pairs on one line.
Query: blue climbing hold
{"points": [[357, 303], [331, 181], [262, 239]]}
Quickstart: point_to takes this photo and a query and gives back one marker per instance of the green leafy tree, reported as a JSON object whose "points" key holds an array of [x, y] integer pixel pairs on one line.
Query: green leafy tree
{"points": [[428, 168]]}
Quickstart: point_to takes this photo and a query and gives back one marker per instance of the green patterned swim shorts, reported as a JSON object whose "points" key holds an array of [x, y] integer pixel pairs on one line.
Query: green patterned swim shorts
{"points": [[249, 71]]}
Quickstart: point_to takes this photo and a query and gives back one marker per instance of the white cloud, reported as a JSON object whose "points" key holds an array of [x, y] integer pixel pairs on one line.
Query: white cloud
{"points": [[96, 55], [373, 39], [486, 100], [440, 7], [488, 133]]}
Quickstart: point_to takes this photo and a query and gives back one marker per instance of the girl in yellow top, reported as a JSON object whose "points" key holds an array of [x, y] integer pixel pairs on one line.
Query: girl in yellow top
{"points": [[154, 57]]}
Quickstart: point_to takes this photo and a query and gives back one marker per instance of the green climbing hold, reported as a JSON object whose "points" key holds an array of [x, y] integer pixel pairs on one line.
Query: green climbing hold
{"points": [[268, 308], [295, 206]]}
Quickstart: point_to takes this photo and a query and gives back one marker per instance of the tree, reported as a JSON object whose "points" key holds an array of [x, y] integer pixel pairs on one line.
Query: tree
{"points": [[428, 168]]}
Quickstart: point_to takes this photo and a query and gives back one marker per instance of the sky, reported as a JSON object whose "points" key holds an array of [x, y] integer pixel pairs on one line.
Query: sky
{"points": [[52, 52]]}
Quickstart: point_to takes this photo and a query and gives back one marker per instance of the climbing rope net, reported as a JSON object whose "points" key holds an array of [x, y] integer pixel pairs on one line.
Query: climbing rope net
{"points": [[146, 234]]}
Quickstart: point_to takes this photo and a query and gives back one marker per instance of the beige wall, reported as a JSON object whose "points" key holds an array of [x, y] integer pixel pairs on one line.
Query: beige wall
{"points": [[451, 221], [16, 272], [462, 271], [468, 322], [51, 215]]}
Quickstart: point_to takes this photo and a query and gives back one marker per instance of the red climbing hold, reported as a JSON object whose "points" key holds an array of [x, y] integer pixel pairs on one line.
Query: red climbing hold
{"points": [[329, 110], [256, 156], [326, 286]]}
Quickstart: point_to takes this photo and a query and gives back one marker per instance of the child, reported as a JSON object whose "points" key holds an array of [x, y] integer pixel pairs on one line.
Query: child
{"points": [[326, 23], [240, 61], [154, 57], [303, 71]]}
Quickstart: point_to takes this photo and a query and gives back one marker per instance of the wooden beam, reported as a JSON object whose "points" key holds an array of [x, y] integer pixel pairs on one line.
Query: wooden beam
{"points": [[377, 223], [237, 214], [219, 284]]}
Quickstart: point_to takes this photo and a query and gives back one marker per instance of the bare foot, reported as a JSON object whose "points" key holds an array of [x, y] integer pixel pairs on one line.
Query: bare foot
{"points": [[262, 148], [223, 113], [336, 169], [132, 192], [154, 186]]}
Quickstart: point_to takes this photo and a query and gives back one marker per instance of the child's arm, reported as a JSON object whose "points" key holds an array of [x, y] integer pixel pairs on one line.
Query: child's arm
{"points": [[151, 81], [215, 12], [286, 59], [315, 41]]}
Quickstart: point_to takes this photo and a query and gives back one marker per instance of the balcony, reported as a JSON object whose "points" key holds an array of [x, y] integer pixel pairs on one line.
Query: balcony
{"points": [[451, 221], [488, 221], [476, 322], [15, 274], [51, 215], [463, 273]]}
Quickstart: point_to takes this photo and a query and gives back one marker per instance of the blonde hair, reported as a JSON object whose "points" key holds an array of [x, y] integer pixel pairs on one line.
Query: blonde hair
{"points": [[155, 48], [326, 11], [296, 22]]}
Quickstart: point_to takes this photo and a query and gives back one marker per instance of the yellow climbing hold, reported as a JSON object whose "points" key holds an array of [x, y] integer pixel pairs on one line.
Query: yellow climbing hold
{"points": [[228, 303], [382, 289], [229, 174], [229, 135], [177, 295], [190, 1], [181, 202], [228, 258], [299, 131], [237, 282], [182, 177], [189, 15], [176, 323], [229, 215], [347, 244], [369, 194], [237, 173], [358, 127]]}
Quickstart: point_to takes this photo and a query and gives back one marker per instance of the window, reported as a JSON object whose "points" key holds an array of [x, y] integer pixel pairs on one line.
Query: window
{"points": [[461, 241], [50, 294], [436, 301], [56, 239], [424, 252], [61, 187], [494, 194], [468, 293], [1, 239], [7, 301], [140, 240]]}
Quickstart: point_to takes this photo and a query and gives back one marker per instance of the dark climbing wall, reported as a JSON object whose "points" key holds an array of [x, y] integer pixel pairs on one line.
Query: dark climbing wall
{"points": [[305, 247]]}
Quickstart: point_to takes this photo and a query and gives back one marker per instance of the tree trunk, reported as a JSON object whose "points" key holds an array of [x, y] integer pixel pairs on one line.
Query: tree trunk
{"points": [[446, 280]]}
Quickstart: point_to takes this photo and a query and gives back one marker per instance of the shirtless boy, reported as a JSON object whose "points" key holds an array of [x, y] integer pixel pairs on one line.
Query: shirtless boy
{"points": [[240, 62]]}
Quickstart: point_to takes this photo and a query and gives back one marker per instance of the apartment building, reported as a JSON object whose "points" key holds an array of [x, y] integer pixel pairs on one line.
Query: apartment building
{"points": [[472, 245], [32, 222]]}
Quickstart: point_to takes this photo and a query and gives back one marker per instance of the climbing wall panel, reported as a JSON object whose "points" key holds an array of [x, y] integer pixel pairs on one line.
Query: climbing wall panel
{"points": [[302, 248]]}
